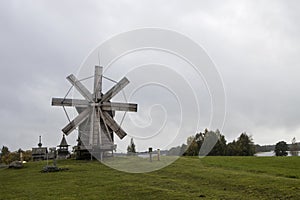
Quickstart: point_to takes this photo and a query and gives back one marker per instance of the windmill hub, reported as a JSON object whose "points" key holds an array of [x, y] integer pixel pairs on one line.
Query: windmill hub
{"points": [[95, 120]]}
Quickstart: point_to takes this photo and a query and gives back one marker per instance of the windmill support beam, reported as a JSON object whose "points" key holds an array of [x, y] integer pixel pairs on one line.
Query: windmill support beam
{"points": [[115, 89], [113, 125], [69, 102], [108, 106], [80, 87], [77, 121], [98, 82]]}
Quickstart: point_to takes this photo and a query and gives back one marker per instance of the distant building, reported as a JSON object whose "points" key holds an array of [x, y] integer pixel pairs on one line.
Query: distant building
{"points": [[39, 153], [63, 151]]}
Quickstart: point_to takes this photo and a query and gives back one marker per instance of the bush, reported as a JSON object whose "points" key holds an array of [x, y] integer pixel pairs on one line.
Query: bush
{"points": [[281, 148]]}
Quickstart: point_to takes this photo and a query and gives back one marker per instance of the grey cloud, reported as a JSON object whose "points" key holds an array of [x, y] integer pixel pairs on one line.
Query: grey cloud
{"points": [[254, 44]]}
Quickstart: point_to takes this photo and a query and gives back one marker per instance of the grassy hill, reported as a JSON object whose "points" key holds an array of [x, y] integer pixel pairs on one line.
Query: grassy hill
{"points": [[187, 178]]}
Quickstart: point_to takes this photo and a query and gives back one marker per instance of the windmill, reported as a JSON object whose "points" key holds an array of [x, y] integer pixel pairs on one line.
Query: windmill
{"points": [[95, 116]]}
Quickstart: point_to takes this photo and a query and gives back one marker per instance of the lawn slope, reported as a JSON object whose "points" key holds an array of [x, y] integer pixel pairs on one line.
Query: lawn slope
{"points": [[187, 178]]}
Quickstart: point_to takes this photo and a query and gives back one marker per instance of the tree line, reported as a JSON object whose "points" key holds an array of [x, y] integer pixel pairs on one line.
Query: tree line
{"points": [[243, 146], [8, 157]]}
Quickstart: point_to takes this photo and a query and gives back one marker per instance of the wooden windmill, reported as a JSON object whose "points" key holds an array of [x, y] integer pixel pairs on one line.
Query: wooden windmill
{"points": [[95, 120]]}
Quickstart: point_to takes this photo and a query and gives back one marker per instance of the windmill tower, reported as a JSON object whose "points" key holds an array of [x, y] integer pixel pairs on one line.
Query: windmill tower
{"points": [[95, 120]]}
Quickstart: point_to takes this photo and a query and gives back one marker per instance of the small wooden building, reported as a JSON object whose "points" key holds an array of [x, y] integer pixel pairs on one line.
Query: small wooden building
{"points": [[39, 153], [63, 149]]}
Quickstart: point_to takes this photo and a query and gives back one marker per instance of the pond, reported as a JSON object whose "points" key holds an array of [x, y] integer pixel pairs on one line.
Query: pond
{"points": [[269, 153]]}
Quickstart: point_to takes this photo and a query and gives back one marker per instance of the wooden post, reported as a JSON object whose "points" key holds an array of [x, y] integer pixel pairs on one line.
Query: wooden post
{"points": [[158, 154], [54, 162], [101, 155], [150, 153], [21, 156], [55, 156]]}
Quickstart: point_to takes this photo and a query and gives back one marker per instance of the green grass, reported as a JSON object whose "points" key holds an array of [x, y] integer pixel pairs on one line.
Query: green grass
{"points": [[187, 178]]}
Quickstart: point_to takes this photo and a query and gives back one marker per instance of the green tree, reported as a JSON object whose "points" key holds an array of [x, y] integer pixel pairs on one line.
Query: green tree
{"points": [[183, 148], [245, 146], [294, 147], [281, 148], [220, 147], [131, 147], [192, 147], [174, 151], [4, 151], [27, 155], [4, 154], [231, 149], [194, 143], [177, 151], [12, 156]]}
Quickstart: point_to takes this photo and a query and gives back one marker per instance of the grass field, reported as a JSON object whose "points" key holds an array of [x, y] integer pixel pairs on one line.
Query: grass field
{"points": [[187, 178]]}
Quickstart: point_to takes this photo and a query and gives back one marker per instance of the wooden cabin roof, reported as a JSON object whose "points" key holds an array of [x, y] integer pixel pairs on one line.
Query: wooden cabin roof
{"points": [[63, 142]]}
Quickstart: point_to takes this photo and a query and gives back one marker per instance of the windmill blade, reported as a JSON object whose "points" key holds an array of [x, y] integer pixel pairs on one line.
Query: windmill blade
{"points": [[80, 87], [107, 132], [77, 121], [115, 89], [98, 82], [113, 125], [108, 106], [69, 102]]}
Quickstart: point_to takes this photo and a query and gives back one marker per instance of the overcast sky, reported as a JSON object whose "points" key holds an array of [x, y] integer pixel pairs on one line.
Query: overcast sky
{"points": [[254, 44]]}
